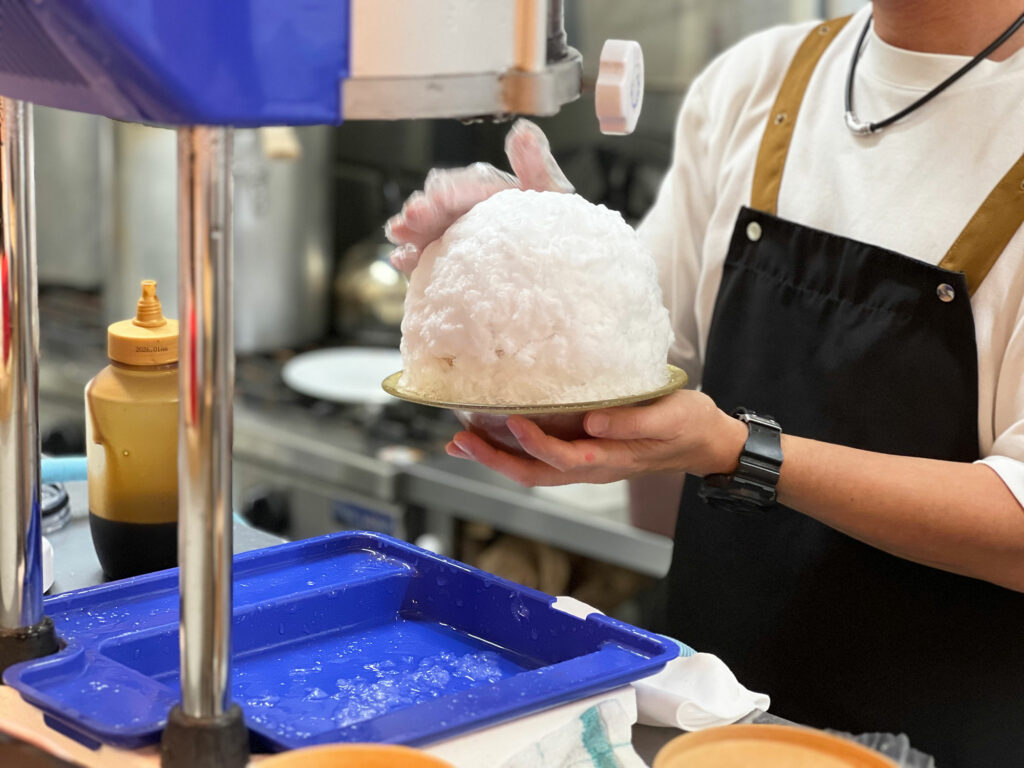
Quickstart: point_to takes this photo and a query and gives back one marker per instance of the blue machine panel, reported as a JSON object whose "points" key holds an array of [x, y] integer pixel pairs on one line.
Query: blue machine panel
{"points": [[212, 62], [346, 637]]}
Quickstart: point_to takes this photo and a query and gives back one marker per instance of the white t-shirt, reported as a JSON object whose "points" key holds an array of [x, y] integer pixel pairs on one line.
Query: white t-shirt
{"points": [[911, 188]]}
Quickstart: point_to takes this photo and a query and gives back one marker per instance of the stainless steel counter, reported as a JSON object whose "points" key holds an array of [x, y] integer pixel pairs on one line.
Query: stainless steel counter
{"points": [[74, 559], [473, 492], [331, 452]]}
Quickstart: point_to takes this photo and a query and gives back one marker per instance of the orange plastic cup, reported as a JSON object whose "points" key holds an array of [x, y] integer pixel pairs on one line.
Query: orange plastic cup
{"points": [[354, 756], [766, 746]]}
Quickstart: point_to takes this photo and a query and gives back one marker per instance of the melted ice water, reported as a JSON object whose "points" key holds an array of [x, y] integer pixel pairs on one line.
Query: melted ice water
{"points": [[347, 680]]}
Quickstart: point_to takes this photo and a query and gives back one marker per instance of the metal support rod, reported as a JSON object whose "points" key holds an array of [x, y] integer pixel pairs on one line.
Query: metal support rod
{"points": [[21, 581], [206, 387], [558, 44]]}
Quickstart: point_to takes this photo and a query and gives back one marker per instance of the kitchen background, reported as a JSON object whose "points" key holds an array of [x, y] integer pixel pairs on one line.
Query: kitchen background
{"points": [[311, 272]]}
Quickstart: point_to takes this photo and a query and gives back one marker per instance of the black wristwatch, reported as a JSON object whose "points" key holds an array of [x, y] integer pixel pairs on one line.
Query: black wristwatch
{"points": [[752, 485]]}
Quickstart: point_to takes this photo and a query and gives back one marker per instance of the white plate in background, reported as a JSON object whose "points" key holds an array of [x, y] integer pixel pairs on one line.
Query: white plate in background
{"points": [[343, 374]]}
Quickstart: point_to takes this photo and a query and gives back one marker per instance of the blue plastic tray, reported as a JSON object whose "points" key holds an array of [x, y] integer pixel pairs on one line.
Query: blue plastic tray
{"points": [[347, 637]]}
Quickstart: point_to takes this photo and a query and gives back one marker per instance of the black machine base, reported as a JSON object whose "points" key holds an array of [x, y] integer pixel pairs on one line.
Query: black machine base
{"points": [[220, 742], [25, 643]]}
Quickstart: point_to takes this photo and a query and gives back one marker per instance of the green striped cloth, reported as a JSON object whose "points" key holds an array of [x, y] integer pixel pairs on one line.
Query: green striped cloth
{"points": [[601, 737]]}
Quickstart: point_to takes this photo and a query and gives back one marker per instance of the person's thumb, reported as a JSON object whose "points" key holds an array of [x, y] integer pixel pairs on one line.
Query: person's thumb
{"points": [[652, 422], [532, 162]]}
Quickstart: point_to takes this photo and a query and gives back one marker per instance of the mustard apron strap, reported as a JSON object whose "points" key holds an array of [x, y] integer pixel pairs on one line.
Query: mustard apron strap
{"points": [[990, 229], [771, 157]]}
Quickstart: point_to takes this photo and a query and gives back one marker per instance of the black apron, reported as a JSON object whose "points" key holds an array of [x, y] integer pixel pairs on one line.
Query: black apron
{"points": [[852, 344]]}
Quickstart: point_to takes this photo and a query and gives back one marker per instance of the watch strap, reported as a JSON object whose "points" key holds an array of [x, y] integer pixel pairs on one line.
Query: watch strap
{"points": [[753, 482]]}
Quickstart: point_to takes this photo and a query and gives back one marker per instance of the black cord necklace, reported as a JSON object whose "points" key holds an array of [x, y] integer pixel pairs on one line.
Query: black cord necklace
{"points": [[866, 129]]}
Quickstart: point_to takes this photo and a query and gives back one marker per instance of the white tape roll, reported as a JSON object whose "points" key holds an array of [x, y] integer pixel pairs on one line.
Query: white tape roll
{"points": [[619, 94]]}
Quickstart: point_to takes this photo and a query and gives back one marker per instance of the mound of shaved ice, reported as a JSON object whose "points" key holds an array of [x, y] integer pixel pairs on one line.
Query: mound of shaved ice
{"points": [[535, 297]]}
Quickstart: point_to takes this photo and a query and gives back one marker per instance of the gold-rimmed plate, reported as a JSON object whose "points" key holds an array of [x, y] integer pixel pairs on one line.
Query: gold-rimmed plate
{"points": [[561, 420], [676, 379]]}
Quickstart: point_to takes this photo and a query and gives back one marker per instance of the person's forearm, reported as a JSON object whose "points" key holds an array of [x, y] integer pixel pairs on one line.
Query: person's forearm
{"points": [[956, 516]]}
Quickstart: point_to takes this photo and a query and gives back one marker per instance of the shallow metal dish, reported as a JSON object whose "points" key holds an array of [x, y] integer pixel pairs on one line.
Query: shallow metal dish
{"points": [[561, 420]]}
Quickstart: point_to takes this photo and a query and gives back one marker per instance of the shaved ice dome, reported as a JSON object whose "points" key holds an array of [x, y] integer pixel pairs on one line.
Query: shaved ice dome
{"points": [[535, 297]]}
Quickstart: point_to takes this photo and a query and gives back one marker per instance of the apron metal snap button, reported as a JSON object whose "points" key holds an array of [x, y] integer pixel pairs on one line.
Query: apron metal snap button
{"points": [[945, 292], [753, 231]]}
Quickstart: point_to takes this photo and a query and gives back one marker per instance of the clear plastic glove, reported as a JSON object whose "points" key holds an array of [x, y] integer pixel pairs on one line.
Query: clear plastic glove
{"points": [[448, 194]]}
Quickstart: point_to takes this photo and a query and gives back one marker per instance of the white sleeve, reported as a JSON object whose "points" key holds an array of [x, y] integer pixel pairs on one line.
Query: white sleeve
{"points": [[1006, 456], [675, 228]]}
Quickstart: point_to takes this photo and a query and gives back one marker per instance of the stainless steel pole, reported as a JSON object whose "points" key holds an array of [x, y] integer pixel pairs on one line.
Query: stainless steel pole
{"points": [[206, 730], [25, 633], [206, 388], [21, 587]]}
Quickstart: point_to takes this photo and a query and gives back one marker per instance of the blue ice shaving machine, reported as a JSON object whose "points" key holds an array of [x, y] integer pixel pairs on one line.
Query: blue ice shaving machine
{"points": [[274, 62]]}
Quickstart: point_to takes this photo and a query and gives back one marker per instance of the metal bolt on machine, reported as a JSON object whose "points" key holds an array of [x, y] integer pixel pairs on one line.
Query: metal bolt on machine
{"points": [[207, 67]]}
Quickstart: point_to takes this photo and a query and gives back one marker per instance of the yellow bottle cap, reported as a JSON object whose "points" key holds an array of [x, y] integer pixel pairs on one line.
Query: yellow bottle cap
{"points": [[147, 339]]}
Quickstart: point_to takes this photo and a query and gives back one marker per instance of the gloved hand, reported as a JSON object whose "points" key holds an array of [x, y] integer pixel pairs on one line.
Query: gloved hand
{"points": [[448, 194]]}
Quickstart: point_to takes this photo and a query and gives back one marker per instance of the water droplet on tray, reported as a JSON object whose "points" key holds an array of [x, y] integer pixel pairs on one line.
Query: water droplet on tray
{"points": [[519, 609]]}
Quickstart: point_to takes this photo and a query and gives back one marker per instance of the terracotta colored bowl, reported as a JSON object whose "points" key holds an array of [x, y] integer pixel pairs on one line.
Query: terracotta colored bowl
{"points": [[766, 746], [354, 756], [562, 420]]}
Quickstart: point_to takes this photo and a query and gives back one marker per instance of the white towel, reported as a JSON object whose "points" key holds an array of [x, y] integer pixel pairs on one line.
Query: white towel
{"points": [[514, 739], [693, 693], [600, 737]]}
